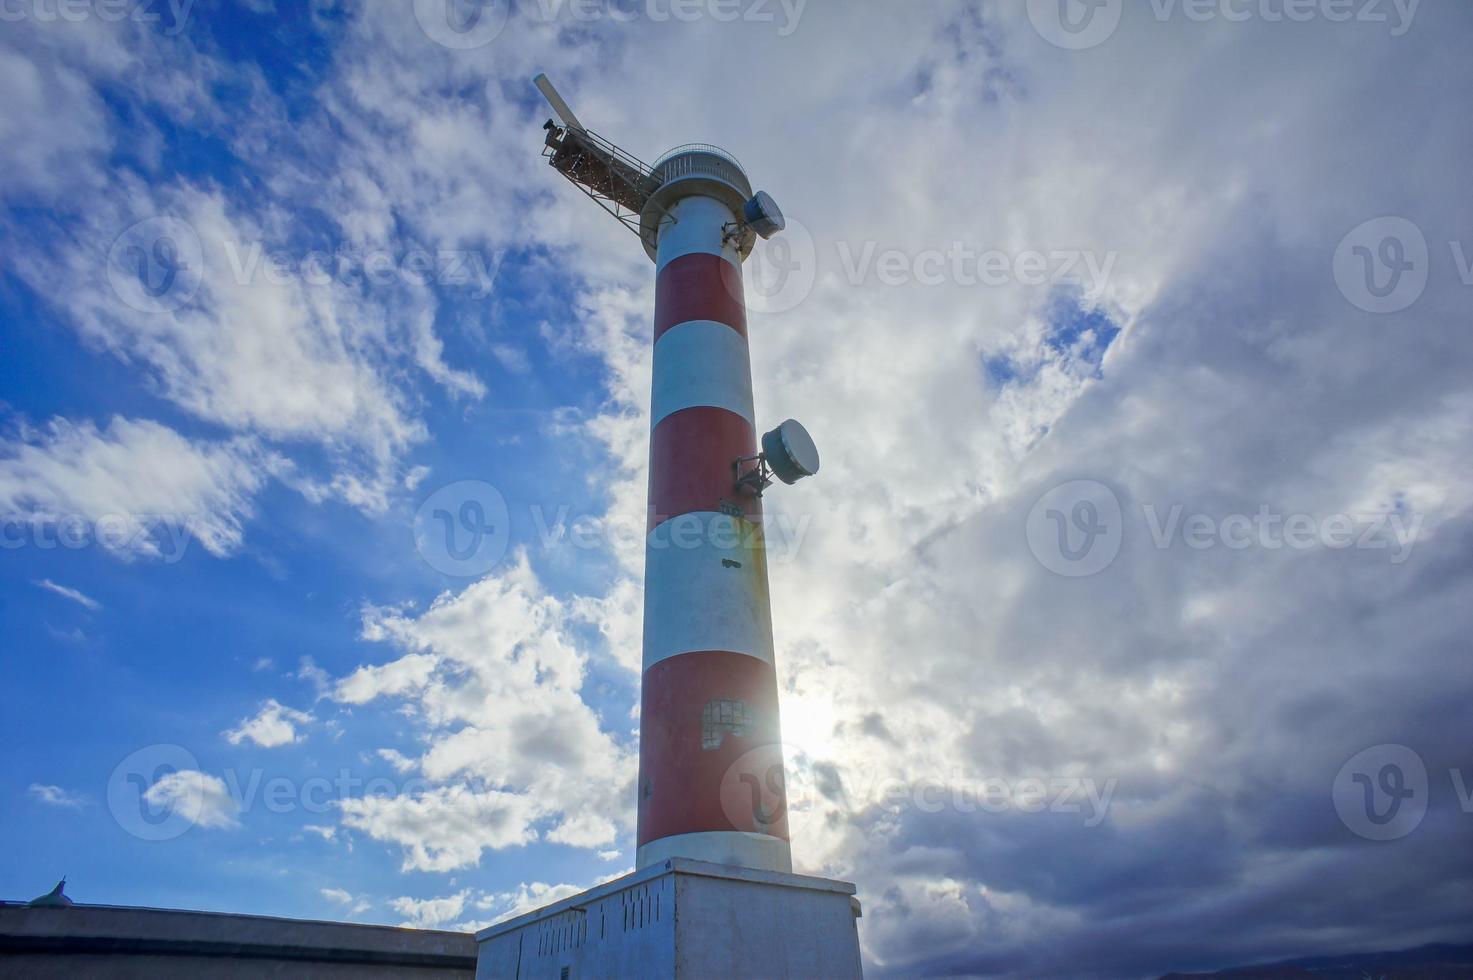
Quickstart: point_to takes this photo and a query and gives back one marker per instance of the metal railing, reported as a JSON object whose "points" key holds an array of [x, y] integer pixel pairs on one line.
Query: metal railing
{"points": [[694, 148], [702, 158], [623, 156]]}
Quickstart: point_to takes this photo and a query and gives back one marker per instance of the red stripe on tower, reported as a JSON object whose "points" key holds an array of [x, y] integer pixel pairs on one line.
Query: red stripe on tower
{"points": [[700, 286], [695, 448]]}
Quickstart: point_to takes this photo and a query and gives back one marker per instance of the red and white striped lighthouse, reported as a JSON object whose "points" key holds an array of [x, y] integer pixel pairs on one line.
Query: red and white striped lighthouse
{"points": [[710, 754], [710, 685]]}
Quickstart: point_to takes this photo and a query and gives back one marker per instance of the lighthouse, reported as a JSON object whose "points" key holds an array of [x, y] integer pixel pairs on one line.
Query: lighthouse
{"points": [[712, 892], [710, 760]]}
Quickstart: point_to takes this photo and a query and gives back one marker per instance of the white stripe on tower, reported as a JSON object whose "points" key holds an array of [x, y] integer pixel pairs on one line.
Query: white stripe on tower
{"points": [[701, 362]]}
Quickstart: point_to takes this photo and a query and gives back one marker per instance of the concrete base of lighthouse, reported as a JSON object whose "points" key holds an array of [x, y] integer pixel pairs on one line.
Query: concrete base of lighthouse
{"points": [[683, 919]]}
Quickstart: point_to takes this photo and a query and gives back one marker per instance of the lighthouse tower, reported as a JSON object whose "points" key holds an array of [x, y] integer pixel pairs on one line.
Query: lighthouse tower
{"points": [[712, 892], [710, 758]]}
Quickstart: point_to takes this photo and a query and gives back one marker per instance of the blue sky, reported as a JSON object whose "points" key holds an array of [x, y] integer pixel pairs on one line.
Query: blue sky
{"points": [[1077, 319], [115, 650]]}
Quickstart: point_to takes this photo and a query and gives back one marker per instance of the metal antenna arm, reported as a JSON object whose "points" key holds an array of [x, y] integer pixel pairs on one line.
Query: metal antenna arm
{"points": [[618, 181], [559, 106]]}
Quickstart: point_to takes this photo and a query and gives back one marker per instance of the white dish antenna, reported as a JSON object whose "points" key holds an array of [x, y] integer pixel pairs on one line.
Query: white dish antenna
{"points": [[763, 216], [788, 454]]}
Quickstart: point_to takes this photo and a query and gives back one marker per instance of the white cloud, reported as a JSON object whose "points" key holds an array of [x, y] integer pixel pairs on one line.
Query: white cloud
{"points": [[400, 762], [495, 675], [283, 357], [135, 487], [273, 725], [445, 828], [340, 896], [450, 911], [203, 799], [86, 601], [41, 148], [526, 897], [398, 677], [319, 679], [431, 913], [56, 796]]}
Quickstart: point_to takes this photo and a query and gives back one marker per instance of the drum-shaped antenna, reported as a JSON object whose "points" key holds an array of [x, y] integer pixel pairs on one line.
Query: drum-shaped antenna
{"points": [[790, 452], [763, 216]]}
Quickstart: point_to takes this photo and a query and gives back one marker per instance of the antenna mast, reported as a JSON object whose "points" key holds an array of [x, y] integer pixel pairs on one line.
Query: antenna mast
{"points": [[620, 182]]}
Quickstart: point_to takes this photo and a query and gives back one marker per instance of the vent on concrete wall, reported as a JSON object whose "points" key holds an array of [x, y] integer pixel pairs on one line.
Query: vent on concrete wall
{"points": [[641, 907], [566, 931]]}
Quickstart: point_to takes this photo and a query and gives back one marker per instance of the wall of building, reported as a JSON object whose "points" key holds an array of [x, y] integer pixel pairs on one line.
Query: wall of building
{"points": [[117, 941], [684, 920]]}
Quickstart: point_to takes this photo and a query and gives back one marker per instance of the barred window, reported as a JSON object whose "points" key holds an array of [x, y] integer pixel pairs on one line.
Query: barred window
{"points": [[720, 717]]}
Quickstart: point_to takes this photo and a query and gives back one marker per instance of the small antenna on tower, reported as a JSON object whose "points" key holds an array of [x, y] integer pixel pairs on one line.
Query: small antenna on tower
{"points": [[618, 181], [559, 106]]}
